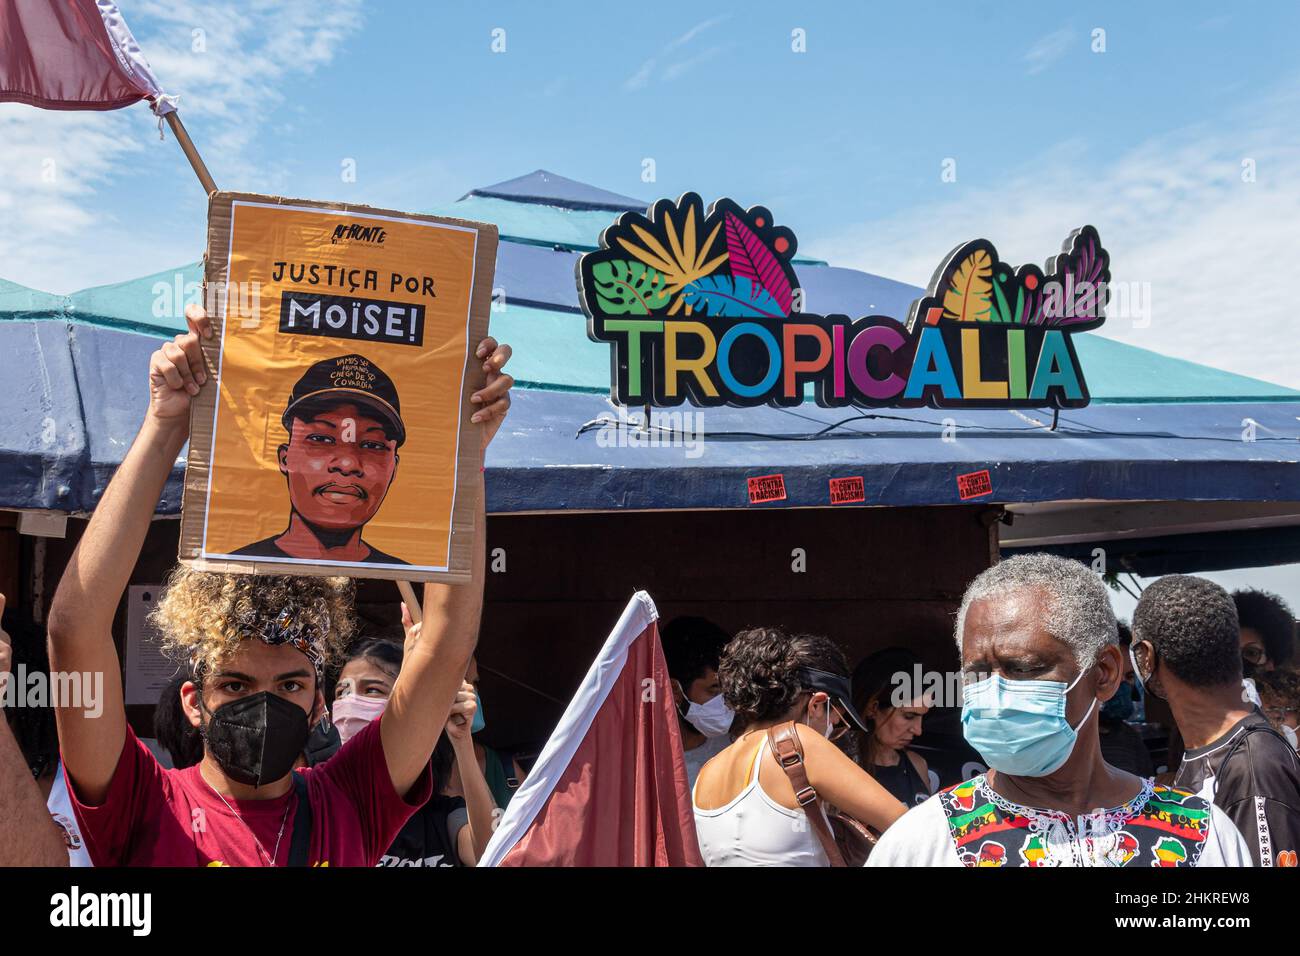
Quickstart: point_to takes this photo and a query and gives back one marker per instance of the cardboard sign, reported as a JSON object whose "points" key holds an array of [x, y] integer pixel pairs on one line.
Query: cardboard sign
{"points": [[974, 485], [766, 488], [708, 309], [846, 491], [335, 437]]}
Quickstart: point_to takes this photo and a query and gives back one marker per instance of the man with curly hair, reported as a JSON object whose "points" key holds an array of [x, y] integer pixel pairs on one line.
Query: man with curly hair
{"points": [[258, 647], [1186, 650]]}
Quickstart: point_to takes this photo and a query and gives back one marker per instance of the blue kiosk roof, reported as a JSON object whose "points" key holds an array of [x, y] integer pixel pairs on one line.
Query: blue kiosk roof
{"points": [[1159, 428]]}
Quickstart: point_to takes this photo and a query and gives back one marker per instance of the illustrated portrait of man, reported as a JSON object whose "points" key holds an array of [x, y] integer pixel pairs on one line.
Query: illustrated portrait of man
{"points": [[345, 425]]}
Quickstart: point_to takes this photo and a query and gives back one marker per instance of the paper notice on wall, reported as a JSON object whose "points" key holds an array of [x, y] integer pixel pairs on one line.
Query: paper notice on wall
{"points": [[147, 670]]}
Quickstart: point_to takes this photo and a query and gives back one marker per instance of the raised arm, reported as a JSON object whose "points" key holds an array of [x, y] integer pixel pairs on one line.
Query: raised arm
{"points": [[479, 803], [28, 837], [438, 653], [843, 783], [81, 616]]}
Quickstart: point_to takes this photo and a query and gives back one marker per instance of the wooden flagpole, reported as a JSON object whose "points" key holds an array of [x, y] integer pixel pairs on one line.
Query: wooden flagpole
{"points": [[412, 603], [192, 154]]}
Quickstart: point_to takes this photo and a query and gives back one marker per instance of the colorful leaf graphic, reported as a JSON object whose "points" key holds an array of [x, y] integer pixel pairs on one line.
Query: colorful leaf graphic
{"points": [[629, 288], [1002, 311], [1085, 271], [751, 259], [685, 262], [968, 298], [1029, 301], [731, 297]]}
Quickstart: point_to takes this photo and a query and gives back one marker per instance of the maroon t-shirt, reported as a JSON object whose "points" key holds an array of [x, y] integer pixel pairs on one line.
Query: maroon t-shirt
{"points": [[157, 817]]}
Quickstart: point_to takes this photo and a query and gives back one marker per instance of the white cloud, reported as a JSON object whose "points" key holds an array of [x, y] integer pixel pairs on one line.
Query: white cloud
{"points": [[1173, 211], [1047, 50], [675, 71], [680, 65], [247, 51], [51, 170], [56, 168]]}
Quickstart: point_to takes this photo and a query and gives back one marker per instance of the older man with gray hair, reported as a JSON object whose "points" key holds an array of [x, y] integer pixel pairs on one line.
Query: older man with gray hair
{"points": [[1039, 652]]}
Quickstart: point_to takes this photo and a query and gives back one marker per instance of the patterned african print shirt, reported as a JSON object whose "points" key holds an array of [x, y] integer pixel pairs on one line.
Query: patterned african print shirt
{"points": [[972, 825]]}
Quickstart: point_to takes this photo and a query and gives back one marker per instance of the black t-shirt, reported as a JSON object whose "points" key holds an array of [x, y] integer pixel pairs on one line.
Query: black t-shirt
{"points": [[267, 548], [902, 780], [1253, 775], [428, 837]]}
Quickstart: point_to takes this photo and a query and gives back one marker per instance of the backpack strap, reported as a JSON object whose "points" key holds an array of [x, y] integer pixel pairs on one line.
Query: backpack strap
{"points": [[783, 739], [302, 823]]}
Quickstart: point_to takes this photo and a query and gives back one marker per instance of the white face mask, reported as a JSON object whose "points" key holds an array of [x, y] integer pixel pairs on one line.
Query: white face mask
{"points": [[1290, 735], [1249, 693], [830, 721], [712, 718]]}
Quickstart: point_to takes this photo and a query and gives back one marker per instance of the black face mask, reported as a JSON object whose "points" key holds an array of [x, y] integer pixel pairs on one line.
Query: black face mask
{"points": [[256, 739], [323, 742]]}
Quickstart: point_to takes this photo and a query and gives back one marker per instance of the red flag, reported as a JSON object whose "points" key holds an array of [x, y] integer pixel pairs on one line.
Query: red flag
{"points": [[609, 788], [73, 55]]}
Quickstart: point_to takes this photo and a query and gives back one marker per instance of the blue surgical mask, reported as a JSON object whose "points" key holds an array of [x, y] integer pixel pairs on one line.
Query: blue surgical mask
{"points": [[1120, 706], [1019, 726], [479, 723]]}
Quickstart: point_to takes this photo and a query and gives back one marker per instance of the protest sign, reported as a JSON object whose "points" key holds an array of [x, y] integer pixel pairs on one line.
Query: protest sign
{"points": [[335, 436]]}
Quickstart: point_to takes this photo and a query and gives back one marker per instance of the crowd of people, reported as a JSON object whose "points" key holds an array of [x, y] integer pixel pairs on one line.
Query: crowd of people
{"points": [[1054, 689], [291, 740]]}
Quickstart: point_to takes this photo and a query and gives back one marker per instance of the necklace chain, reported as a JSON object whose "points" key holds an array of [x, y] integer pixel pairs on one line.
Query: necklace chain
{"points": [[258, 843]]}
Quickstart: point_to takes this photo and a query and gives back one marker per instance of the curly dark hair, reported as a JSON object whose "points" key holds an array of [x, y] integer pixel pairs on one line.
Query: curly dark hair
{"points": [[1279, 687], [760, 670], [204, 615], [1192, 624], [1270, 617]]}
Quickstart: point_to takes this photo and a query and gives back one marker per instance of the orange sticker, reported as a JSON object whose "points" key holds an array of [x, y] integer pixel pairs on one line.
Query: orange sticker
{"points": [[974, 485], [845, 491], [766, 488]]}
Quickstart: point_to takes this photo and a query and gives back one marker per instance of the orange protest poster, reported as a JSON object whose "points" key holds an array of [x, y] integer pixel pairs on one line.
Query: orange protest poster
{"points": [[335, 436]]}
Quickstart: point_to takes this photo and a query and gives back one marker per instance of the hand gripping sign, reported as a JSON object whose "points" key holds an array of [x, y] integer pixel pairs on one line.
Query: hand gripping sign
{"points": [[337, 439]]}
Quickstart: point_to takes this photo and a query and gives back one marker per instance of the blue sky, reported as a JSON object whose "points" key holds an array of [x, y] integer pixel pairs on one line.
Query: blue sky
{"points": [[845, 142]]}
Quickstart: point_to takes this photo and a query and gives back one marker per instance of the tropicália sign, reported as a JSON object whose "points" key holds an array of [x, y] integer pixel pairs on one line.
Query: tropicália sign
{"points": [[706, 308]]}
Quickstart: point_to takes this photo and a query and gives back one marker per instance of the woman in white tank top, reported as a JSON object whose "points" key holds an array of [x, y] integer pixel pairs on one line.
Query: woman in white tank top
{"points": [[746, 813]]}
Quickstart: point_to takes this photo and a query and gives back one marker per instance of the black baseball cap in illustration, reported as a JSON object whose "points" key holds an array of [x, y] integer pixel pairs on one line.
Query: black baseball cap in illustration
{"points": [[348, 378]]}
